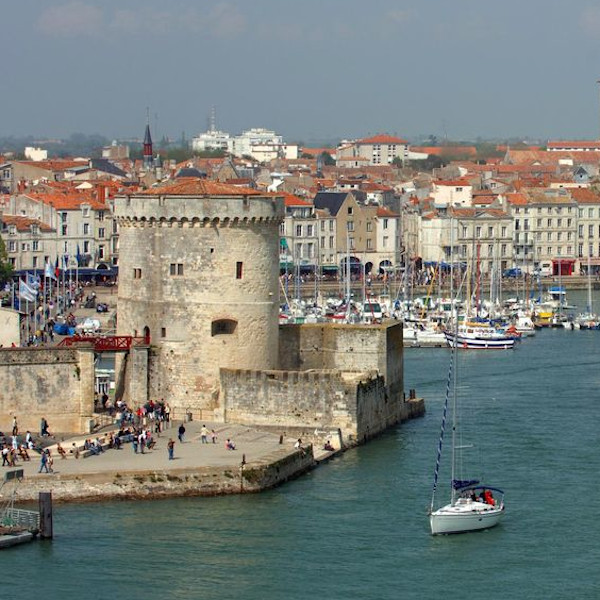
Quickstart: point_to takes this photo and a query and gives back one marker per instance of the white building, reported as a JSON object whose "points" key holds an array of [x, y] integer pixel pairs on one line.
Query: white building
{"points": [[211, 140]]}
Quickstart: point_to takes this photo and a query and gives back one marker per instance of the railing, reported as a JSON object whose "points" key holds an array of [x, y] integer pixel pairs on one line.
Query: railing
{"points": [[17, 517], [111, 343]]}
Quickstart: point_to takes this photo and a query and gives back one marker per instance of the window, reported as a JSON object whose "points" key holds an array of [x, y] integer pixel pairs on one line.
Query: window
{"points": [[137, 273], [549, 236], [559, 236], [569, 235], [24, 247], [176, 269], [581, 231], [478, 231], [385, 223], [63, 229], [490, 250], [239, 269], [35, 245], [309, 231], [35, 262], [12, 246], [101, 252], [559, 222], [86, 247], [163, 332], [465, 231], [369, 244], [569, 222], [323, 225], [86, 229], [331, 243], [350, 210], [580, 249], [331, 225], [298, 230], [385, 241], [539, 222], [101, 233], [590, 231], [100, 215], [503, 250], [322, 241], [549, 222], [591, 213], [351, 243], [63, 217], [223, 326], [503, 230], [85, 211], [370, 226], [350, 225], [490, 232]]}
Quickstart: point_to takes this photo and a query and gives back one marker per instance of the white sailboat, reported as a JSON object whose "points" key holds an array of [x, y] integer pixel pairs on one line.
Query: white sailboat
{"points": [[472, 506]]}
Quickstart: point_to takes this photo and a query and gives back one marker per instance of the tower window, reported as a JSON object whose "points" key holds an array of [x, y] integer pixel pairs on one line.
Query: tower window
{"points": [[176, 269], [239, 269], [137, 273], [223, 327]]}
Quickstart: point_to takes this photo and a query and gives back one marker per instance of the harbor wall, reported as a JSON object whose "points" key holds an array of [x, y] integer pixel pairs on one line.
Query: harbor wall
{"points": [[252, 477], [55, 383]]}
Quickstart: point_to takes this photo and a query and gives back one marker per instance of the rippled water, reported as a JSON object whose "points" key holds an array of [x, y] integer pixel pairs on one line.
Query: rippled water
{"points": [[357, 527]]}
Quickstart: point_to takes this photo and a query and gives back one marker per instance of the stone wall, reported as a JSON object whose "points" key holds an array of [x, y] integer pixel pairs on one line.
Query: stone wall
{"points": [[55, 383], [354, 348], [9, 328], [358, 404]]}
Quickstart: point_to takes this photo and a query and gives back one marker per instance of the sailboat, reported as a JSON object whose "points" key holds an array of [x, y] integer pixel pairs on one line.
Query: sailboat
{"points": [[472, 506]]}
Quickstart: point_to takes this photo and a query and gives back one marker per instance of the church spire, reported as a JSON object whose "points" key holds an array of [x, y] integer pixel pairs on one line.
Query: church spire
{"points": [[147, 153]]}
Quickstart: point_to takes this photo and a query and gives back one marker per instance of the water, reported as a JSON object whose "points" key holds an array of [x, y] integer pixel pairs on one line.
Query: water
{"points": [[357, 527]]}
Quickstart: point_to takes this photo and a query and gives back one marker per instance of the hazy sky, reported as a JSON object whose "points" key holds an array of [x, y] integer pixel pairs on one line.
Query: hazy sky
{"points": [[310, 69]]}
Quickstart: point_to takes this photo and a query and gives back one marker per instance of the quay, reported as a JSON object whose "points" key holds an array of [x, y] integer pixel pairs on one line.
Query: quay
{"points": [[263, 459]]}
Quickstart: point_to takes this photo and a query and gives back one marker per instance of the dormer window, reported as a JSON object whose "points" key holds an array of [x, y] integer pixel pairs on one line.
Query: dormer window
{"points": [[85, 211], [12, 229]]}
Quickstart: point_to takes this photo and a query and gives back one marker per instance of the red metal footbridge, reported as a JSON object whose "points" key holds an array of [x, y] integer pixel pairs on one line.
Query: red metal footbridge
{"points": [[105, 343]]}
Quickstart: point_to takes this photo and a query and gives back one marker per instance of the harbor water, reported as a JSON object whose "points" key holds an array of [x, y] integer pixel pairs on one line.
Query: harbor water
{"points": [[357, 527]]}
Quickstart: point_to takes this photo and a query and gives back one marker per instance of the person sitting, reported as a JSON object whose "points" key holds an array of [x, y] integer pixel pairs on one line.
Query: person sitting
{"points": [[87, 445], [327, 446], [61, 451], [229, 444], [489, 498], [23, 452]]}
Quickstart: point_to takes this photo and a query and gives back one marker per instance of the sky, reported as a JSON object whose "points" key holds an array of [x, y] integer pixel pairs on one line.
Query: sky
{"points": [[312, 70]]}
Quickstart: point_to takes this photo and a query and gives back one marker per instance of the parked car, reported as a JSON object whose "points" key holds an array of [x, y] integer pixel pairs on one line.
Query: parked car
{"points": [[514, 272]]}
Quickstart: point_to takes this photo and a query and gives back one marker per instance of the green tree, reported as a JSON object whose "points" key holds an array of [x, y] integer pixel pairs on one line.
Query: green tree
{"points": [[6, 269], [328, 159]]}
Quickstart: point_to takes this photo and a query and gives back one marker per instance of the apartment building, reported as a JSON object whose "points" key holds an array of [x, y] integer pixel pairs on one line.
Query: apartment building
{"points": [[30, 243]]}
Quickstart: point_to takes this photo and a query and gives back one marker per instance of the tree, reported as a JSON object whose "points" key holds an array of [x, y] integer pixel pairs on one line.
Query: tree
{"points": [[328, 159], [6, 269]]}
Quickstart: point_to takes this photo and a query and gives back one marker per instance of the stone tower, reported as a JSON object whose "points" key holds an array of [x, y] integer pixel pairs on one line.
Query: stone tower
{"points": [[198, 274]]}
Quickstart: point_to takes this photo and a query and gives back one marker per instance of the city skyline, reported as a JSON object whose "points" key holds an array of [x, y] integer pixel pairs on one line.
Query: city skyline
{"points": [[311, 71]]}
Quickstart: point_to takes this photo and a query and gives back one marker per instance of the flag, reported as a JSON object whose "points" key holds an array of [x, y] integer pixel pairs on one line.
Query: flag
{"points": [[49, 270], [283, 243], [26, 292], [56, 269], [65, 261], [78, 256], [33, 281]]}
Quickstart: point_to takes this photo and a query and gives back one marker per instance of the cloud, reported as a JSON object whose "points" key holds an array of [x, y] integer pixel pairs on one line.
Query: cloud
{"points": [[222, 21], [71, 19], [590, 21]]}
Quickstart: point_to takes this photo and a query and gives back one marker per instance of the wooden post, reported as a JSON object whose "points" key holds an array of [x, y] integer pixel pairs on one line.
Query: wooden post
{"points": [[45, 503]]}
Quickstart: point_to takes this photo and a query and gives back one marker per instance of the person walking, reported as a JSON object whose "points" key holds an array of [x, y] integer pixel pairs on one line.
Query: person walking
{"points": [[171, 448], [43, 462], [181, 433], [204, 434], [15, 427]]}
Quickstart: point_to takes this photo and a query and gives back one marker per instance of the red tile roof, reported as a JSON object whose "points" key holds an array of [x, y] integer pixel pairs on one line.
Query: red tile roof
{"points": [[382, 139], [24, 223], [292, 200], [191, 186]]}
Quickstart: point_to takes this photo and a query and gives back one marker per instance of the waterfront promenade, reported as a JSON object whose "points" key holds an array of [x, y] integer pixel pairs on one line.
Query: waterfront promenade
{"points": [[197, 468]]}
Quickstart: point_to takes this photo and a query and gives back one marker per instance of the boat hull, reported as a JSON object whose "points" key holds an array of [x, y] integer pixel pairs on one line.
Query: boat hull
{"points": [[462, 518], [480, 343]]}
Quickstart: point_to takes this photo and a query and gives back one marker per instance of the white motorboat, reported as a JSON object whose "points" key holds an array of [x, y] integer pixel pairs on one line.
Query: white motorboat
{"points": [[479, 336]]}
